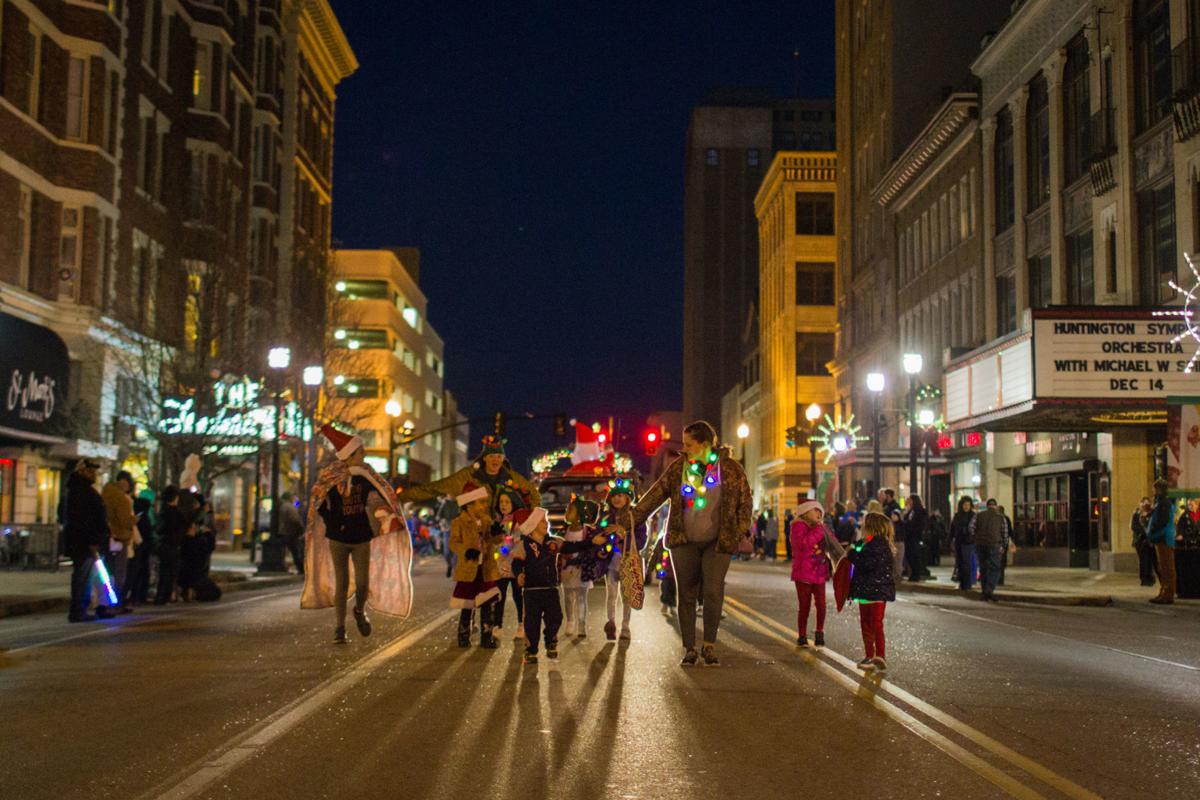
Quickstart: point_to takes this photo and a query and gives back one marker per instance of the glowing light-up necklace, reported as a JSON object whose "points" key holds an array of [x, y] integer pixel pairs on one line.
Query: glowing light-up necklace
{"points": [[698, 478]]}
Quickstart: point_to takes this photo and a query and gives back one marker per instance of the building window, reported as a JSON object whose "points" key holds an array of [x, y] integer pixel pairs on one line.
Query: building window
{"points": [[711, 157], [202, 76], [355, 289], [1156, 243], [813, 352], [24, 235], [1080, 280], [199, 188], [1037, 144], [362, 338], [33, 71], [112, 110], [1152, 62], [1005, 185], [77, 72], [191, 310], [814, 214], [356, 388], [1040, 282], [69, 238], [814, 284], [1110, 243], [412, 317], [1006, 304], [752, 157], [1076, 110]]}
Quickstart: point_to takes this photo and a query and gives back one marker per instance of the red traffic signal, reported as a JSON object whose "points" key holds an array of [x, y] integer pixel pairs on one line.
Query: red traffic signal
{"points": [[650, 441]]}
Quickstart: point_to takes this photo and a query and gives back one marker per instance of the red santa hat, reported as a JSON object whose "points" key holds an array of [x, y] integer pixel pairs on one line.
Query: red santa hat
{"points": [[470, 493], [809, 505], [344, 444], [526, 519]]}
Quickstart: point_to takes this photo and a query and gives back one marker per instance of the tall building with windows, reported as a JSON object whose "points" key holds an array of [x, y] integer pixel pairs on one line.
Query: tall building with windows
{"points": [[730, 142], [797, 319], [385, 368]]}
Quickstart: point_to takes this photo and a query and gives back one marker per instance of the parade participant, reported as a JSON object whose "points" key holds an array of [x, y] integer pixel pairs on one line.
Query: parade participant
{"points": [[811, 542], [710, 513], [490, 470], [508, 500], [535, 563], [623, 554], [355, 522], [873, 585], [579, 516], [476, 544]]}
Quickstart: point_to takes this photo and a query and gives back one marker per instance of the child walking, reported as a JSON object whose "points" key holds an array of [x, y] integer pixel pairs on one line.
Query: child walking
{"points": [[811, 541], [873, 585], [579, 515], [474, 542], [535, 563], [616, 520], [508, 500]]}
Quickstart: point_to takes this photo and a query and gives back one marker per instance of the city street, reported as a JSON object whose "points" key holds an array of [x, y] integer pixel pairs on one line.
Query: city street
{"points": [[247, 698]]}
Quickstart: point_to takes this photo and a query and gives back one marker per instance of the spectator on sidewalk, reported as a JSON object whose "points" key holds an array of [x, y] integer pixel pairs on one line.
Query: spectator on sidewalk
{"points": [[172, 528], [1008, 546], [195, 556], [1138, 525], [760, 533], [137, 578], [989, 543], [122, 528], [787, 527], [85, 529], [1160, 532], [934, 537], [891, 510], [915, 521], [962, 541], [292, 529], [771, 536]]}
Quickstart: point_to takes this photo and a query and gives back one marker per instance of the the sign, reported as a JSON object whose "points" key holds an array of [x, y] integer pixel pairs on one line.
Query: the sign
{"points": [[243, 412], [1183, 445], [1126, 354], [34, 366]]}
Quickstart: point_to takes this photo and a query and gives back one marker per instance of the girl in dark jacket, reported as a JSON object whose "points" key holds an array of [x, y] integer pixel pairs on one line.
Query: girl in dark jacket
{"points": [[873, 586], [962, 539]]}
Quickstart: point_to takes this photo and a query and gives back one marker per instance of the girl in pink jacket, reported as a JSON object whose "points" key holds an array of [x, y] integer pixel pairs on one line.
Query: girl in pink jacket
{"points": [[810, 567]]}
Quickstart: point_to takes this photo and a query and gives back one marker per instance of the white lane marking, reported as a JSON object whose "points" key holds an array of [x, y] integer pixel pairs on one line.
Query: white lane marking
{"points": [[867, 694], [1039, 771], [103, 629], [221, 761], [1130, 653]]}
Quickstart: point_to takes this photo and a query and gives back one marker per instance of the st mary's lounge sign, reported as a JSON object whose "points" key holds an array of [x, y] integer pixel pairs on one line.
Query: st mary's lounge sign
{"points": [[34, 366]]}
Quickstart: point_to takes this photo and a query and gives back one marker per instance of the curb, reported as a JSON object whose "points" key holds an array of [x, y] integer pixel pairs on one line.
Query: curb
{"points": [[19, 606], [1033, 598]]}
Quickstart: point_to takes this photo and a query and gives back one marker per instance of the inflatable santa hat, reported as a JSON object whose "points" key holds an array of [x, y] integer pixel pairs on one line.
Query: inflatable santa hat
{"points": [[344, 444], [587, 445]]}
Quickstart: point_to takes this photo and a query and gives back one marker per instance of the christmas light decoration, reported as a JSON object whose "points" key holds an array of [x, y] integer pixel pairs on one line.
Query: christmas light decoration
{"points": [[835, 437], [547, 461], [698, 478], [106, 579], [1187, 313]]}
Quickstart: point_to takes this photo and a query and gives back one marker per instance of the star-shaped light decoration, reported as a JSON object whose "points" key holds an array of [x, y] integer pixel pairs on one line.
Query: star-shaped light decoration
{"points": [[836, 437], [1187, 313]]}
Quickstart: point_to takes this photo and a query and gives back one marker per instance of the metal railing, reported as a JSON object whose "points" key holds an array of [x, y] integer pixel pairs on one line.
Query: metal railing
{"points": [[1185, 80], [29, 545], [1101, 166]]}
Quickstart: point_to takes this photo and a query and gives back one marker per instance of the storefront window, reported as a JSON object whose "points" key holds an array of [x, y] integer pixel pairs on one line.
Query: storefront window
{"points": [[47, 494], [7, 470]]}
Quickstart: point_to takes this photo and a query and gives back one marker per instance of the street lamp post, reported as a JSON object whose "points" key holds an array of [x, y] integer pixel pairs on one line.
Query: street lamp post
{"points": [[812, 414], [743, 433], [278, 359], [912, 363], [312, 377], [927, 418], [875, 384], [392, 407]]}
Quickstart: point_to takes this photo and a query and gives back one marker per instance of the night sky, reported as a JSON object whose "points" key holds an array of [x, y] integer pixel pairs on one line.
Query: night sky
{"points": [[535, 156]]}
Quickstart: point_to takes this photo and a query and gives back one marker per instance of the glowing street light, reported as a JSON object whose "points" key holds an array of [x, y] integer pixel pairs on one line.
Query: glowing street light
{"points": [[279, 357], [313, 375], [876, 382], [812, 413], [912, 362], [743, 431]]}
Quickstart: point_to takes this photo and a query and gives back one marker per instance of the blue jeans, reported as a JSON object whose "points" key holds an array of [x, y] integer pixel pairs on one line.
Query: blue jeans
{"points": [[989, 566]]}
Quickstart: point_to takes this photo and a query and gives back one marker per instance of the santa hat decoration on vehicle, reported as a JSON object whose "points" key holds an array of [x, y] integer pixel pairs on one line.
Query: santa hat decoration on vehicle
{"points": [[527, 519], [343, 444], [470, 493]]}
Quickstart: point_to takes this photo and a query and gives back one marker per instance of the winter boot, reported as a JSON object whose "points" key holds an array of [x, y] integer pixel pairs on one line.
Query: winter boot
{"points": [[610, 630], [339, 635], [364, 624], [819, 638]]}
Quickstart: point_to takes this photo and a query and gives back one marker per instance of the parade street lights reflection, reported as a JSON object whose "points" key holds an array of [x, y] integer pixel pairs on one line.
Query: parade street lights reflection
{"points": [[912, 363], [279, 359], [876, 382], [812, 414]]}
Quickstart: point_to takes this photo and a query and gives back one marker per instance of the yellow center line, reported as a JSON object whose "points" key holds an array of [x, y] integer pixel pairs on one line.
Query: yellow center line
{"points": [[1024, 763]]}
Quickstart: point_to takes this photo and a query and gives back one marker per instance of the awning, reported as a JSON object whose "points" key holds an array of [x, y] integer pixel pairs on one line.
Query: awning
{"points": [[34, 368]]}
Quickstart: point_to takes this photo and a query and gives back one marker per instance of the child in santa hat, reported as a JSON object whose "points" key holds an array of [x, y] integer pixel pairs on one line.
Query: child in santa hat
{"points": [[580, 514], [354, 520], [616, 521], [475, 543], [508, 501], [811, 541], [535, 563]]}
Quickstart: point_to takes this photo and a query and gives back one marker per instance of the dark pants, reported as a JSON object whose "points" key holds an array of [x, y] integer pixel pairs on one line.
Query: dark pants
{"points": [[137, 578], [787, 542], [168, 575], [81, 571], [295, 545], [696, 566], [1003, 564], [504, 585], [990, 561], [964, 557], [915, 553], [769, 548], [543, 612], [1147, 563], [935, 549]]}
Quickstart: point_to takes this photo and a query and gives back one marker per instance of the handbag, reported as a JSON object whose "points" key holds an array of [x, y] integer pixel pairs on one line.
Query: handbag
{"points": [[632, 586]]}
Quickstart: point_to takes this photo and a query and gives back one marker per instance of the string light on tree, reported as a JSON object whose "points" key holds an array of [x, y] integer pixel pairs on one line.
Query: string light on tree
{"points": [[1187, 312]]}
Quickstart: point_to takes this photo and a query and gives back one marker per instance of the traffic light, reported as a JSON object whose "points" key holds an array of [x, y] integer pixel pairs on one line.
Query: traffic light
{"points": [[560, 425], [650, 442], [793, 436], [498, 420]]}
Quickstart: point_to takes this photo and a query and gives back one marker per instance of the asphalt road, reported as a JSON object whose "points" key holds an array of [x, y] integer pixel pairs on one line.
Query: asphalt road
{"points": [[246, 698]]}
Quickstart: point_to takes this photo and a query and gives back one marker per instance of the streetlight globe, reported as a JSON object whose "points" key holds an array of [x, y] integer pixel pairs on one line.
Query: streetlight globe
{"points": [[313, 375], [876, 382], [743, 431], [409, 426], [841, 443], [279, 357], [913, 362], [812, 413], [392, 407], [926, 417]]}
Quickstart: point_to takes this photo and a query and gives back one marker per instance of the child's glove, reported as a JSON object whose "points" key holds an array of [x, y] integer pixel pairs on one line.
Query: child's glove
{"points": [[471, 554]]}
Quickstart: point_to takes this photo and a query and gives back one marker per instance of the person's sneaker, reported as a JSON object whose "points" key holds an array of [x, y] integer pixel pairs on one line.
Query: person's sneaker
{"points": [[671, 613], [626, 635], [81, 618], [339, 635], [610, 630], [819, 638], [581, 635], [709, 654], [802, 641], [552, 652], [690, 658], [1162, 601], [666, 610], [464, 639], [880, 664], [487, 641], [529, 658], [364, 624], [866, 665]]}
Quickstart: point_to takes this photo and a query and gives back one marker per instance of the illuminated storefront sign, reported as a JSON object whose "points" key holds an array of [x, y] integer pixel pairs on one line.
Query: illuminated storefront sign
{"points": [[244, 411]]}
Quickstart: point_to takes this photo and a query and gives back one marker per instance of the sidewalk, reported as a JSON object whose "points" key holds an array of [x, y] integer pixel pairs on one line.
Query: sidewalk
{"points": [[36, 591]]}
